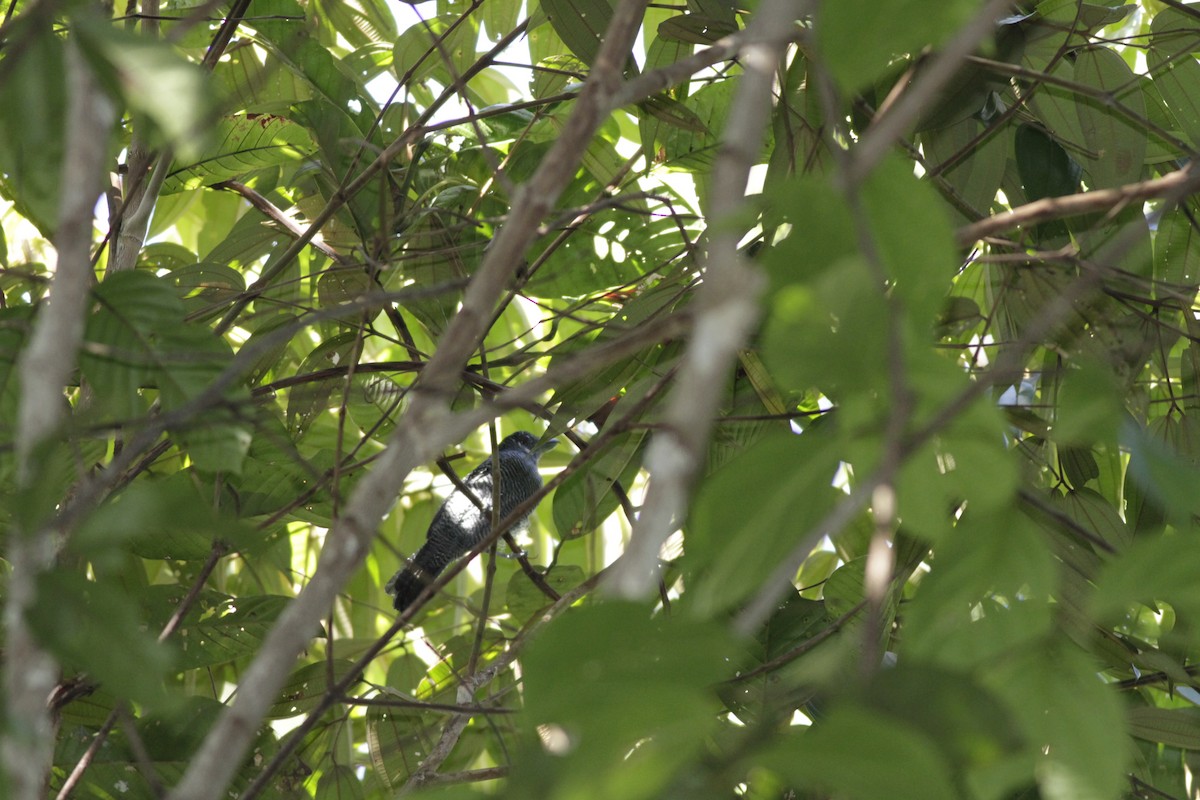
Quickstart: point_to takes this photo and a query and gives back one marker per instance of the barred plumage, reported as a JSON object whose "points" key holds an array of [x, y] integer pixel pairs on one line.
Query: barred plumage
{"points": [[460, 524]]}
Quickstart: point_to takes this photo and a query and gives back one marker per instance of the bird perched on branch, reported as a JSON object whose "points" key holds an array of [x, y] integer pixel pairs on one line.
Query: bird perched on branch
{"points": [[462, 523]]}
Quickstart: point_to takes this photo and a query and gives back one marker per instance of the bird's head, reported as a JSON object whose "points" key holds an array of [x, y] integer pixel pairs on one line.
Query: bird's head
{"points": [[524, 440]]}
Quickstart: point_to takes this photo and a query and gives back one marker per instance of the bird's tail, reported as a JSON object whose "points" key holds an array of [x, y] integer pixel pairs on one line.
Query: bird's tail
{"points": [[409, 582]]}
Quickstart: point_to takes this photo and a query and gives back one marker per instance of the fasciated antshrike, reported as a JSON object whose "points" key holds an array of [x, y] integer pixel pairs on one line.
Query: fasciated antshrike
{"points": [[461, 524]]}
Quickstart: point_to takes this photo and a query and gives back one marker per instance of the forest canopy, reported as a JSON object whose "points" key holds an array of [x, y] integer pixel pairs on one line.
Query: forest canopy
{"points": [[867, 330]]}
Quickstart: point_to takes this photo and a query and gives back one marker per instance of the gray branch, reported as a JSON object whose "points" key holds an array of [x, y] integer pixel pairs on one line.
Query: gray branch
{"points": [[45, 366], [727, 308]]}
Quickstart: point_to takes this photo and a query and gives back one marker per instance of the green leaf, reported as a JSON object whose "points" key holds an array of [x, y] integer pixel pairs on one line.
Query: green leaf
{"points": [[673, 112], [1176, 250], [796, 621], [203, 286], [416, 58], [33, 108], [270, 359], [158, 519], [965, 719], [154, 79], [1174, 727], [340, 782], [1173, 31], [345, 285], [750, 513], [860, 755], [240, 146], [1165, 475], [1045, 168], [644, 684], [1177, 80], [975, 177], [580, 23], [1056, 105], [94, 627], [587, 497], [273, 474], [137, 339], [281, 26], [695, 29], [523, 598], [14, 322], [1078, 465], [1151, 569], [857, 39], [987, 596], [306, 687], [122, 354], [253, 86], [233, 630], [361, 22], [312, 397], [1073, 720], [823, 230], [692, 150], [1094, 513], [843, 592], [1116, 144], [913, 238], [829, 335], [1091, 404], [500, 17]]}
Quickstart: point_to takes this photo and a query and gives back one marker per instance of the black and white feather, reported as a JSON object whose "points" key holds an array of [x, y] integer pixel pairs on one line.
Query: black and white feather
{"points": [[461, 524]]}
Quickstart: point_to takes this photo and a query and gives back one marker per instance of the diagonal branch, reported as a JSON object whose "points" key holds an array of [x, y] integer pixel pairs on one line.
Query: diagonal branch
{"points": [[427, 427], [45, 368], [1073, 205], [727, 309]]}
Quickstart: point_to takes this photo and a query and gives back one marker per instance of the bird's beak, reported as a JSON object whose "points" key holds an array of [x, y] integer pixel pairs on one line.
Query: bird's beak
{"points": [[542, 447]]}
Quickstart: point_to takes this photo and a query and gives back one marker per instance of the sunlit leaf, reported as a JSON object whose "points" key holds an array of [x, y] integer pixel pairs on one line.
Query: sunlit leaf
{"points": [[580, 23], [902, 762]]}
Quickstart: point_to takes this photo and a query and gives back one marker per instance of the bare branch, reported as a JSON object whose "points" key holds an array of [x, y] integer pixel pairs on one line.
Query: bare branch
{"points": [[45, 368], [665, 77], [1076, 204], [727, 309]]}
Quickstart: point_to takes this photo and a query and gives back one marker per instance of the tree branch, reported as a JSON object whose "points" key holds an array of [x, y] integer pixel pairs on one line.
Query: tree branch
{"points": [[45, 368], [726, 309], [1073, 205]]}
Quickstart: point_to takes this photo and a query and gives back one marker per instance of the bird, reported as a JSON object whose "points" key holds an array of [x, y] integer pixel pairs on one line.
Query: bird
{"points": [[461, 523]]}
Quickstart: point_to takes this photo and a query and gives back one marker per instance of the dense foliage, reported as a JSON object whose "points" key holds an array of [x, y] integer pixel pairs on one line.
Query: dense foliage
{"points": [[907, 435]]}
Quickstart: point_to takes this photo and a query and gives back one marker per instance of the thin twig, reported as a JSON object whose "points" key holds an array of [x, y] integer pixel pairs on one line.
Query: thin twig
{"points": [[45, 366], [1048, 208], [807, 646]]}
